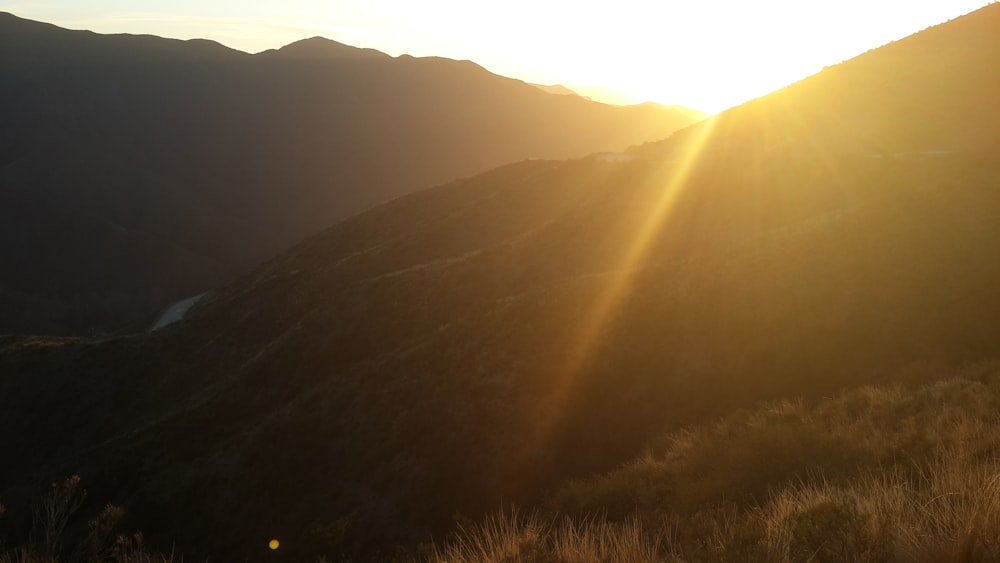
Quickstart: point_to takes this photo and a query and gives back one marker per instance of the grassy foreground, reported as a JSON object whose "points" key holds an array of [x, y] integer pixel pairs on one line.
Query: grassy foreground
{"points": [[906, 472]]}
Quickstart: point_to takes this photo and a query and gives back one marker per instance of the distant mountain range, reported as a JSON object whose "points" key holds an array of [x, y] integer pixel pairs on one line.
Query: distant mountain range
{"points": [[136, 170], [485, 340]]}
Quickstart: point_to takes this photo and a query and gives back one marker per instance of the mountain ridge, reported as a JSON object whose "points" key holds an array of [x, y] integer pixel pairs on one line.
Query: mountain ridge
{"points": [[176, 165], [52, 44]]}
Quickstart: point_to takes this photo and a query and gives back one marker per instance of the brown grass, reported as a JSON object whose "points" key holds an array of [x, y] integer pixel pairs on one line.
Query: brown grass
{"points": [[512, 537], [894, 473]]}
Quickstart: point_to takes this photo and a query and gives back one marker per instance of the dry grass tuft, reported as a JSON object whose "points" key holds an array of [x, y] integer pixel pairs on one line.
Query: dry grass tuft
{"points": [[512, 537]]}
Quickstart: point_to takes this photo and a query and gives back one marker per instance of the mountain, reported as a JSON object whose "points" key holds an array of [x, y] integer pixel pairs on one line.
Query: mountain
{"points": [[501, 337], [556, 89], [136, 171], [321, 48]]}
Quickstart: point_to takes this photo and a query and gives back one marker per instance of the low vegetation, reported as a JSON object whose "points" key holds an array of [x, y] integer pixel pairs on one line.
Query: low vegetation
{"points": [[58, 533], [905, 472], [512, 536]]}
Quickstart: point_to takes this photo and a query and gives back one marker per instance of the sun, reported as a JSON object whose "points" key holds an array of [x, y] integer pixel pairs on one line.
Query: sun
{"points": [[714, 55]]}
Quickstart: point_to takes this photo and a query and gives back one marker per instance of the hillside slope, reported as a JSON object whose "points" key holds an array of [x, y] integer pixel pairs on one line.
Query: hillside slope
{"points": [[487, 339], [903, 472], [137, 170]]}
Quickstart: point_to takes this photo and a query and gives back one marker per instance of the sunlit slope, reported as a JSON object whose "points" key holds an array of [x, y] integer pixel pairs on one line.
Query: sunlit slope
{"points": [[485, 339], [138, 170]]}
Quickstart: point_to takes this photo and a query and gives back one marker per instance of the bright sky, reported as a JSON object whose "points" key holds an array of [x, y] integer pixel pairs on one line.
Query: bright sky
{"points": [[706, 54]]}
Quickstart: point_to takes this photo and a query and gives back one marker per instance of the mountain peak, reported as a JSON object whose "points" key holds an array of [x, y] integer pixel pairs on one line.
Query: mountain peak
{"points": [[323, 48]]}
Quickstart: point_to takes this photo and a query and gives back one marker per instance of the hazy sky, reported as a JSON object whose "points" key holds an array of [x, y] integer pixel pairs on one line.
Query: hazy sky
{"points": [[707, 54]]}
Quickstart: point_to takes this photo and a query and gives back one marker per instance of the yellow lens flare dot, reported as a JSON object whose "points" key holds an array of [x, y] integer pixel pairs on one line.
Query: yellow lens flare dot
{"points": [[273, 544]]}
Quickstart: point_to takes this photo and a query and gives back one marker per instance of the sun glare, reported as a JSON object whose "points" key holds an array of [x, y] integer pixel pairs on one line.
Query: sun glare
{"points": [[714, 55]]}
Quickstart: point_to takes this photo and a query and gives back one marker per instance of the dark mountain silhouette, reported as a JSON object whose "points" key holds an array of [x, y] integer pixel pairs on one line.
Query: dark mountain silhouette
{"points": [[321, 48], [135, 170], [483, 340]]}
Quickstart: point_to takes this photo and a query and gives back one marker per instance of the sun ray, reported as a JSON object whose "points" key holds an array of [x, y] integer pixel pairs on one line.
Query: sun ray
{"points": [[601, 314]]}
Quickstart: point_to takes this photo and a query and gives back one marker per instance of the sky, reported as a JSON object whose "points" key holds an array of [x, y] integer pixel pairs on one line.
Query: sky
{"points": [[704, 54]]}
